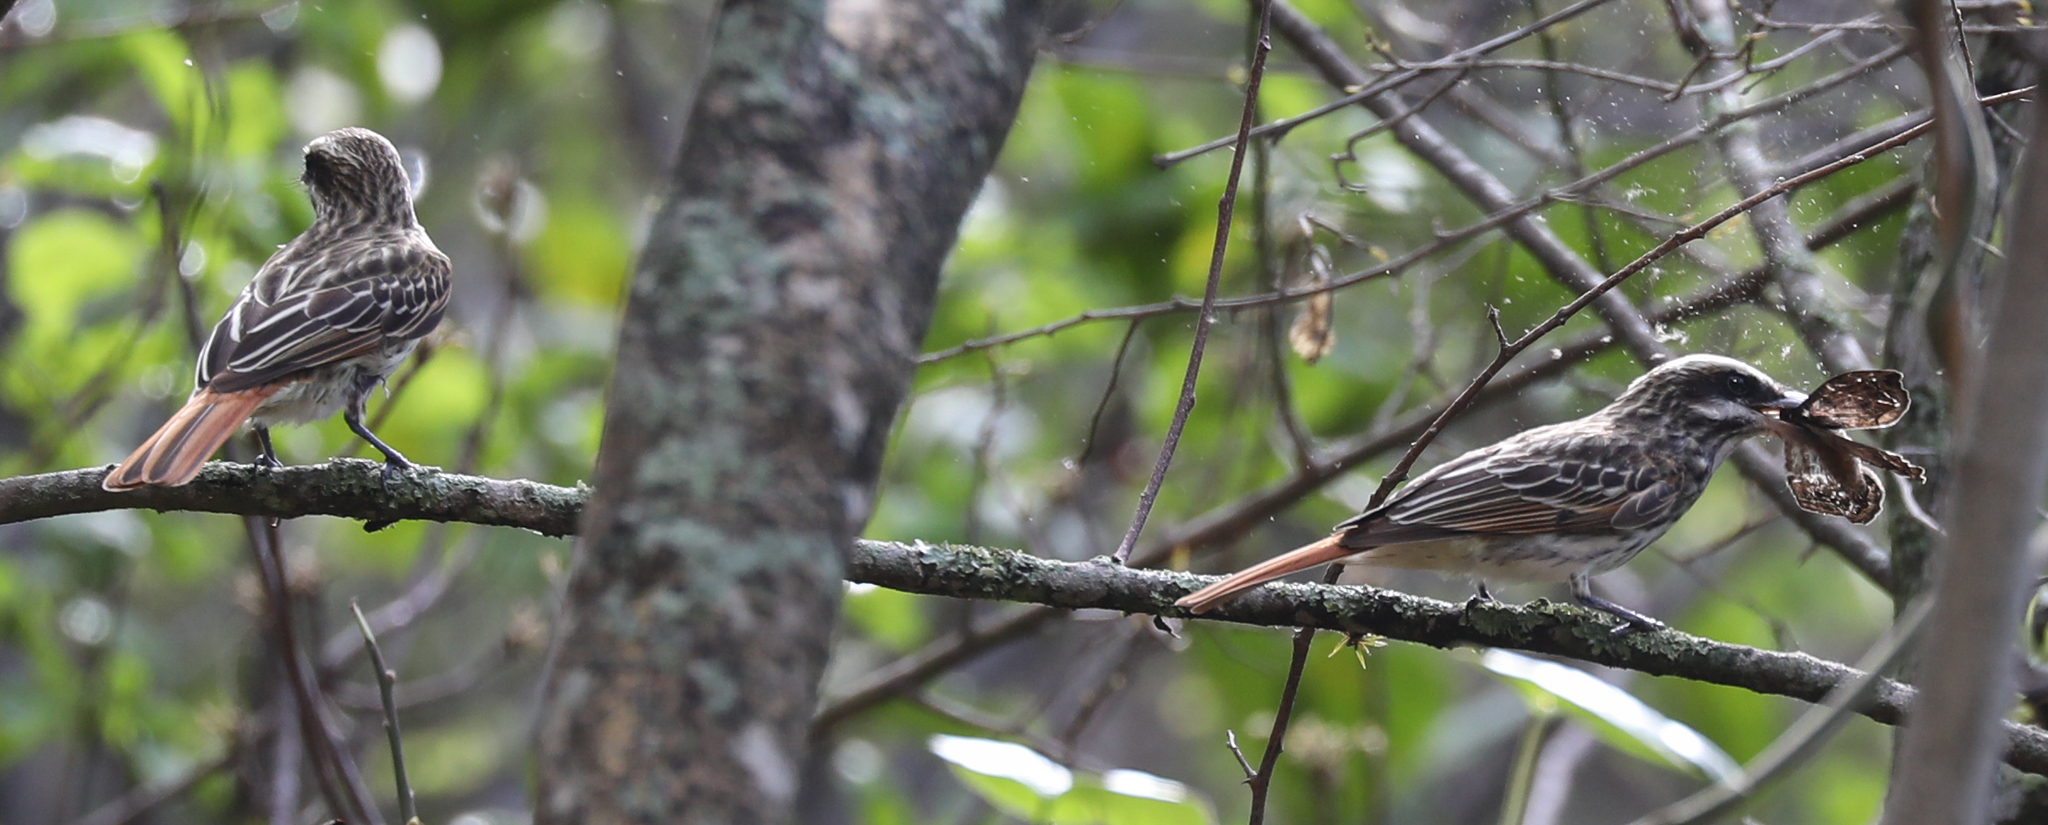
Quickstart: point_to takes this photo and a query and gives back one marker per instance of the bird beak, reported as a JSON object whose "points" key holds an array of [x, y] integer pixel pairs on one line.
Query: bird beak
{"points": [[1790, 399]]}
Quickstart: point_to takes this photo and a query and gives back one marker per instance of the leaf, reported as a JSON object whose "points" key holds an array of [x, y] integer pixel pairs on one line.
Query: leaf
{"points": [[1314, 333], [1025, 784], [66, 258], [1619, 718], [1312, 336], [1127, 797], [1004, 760]]}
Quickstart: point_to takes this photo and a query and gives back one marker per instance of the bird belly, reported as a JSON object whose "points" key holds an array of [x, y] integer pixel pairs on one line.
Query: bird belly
{"points": [[1536, 557], [324, 390]]}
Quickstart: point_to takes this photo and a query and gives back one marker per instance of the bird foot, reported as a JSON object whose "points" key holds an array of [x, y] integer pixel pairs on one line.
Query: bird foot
{"points": [[395, 468], [1631, 621], [267, 462]]}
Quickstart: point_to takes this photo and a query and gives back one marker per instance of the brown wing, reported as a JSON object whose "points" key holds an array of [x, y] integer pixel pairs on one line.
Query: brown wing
{"points": [[391, 291], [1828, 480], [1535, 483], [1859, 400]]}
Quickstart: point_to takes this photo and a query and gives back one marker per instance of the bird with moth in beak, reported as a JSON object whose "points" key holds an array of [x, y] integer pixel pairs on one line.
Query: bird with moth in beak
{"points": [[1563, 502]]}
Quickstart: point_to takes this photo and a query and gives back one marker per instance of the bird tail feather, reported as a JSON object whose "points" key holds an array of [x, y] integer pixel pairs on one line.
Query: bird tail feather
{"points": [[1300, 558], [173, 456]]}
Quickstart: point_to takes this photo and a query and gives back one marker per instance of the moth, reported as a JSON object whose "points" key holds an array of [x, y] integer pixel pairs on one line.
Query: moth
{"points": [[1828, 472]]}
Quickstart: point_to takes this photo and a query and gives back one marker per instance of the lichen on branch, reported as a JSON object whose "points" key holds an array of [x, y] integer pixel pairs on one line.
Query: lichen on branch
{"points": [[353, 488]]}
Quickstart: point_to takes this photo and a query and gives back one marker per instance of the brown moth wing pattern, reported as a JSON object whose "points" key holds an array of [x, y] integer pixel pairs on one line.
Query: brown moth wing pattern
{"points": [[1827, 480], [1859, 400], [1829, 473], [1883, 459]]}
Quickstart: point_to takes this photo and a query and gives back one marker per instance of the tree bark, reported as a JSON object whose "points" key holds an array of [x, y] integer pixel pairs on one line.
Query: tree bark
{"points": [[769, 337]]}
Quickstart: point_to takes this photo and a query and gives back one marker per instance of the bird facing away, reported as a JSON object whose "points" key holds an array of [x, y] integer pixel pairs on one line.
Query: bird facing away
{"points": [[1562, 502], [323, 323]]}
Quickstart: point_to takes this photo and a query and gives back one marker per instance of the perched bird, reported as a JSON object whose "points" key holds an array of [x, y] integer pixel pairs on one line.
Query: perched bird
{"points": [[1562, 502], [323, 323]]}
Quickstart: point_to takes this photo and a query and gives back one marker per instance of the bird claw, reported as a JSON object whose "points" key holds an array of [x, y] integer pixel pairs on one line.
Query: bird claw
{"points": [[395, 469], [268, 463], [1632, 624], [1631, 621]]}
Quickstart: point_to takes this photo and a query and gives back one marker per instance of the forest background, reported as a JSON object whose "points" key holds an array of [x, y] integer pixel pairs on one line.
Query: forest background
{"points": [[1380, 257]]}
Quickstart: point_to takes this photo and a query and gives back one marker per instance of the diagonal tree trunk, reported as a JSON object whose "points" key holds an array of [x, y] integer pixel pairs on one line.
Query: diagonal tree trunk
{"points": [[785, 287]]}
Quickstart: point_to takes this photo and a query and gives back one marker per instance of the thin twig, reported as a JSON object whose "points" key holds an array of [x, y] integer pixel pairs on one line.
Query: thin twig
{"points": [[1262, 781], [387, 681], [1116, 371], [1224, 211], [1353, 96], [1913, 124]]}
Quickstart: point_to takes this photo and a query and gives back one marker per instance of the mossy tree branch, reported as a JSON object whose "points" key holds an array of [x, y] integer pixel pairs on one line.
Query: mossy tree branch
{"points": [[344, 487], [350, 489]]}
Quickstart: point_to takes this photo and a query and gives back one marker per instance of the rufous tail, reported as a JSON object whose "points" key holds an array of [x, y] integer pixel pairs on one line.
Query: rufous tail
{"points": [[1300, 558], [173, 456]]}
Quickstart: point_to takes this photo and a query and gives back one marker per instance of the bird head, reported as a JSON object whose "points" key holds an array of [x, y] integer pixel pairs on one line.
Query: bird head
{"points": [[1709, 396], [355, 175]]}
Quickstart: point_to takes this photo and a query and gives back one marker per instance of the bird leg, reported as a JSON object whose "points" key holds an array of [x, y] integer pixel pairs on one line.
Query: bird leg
{"points": [[1582, 590], [266, 453], [394, 462]]}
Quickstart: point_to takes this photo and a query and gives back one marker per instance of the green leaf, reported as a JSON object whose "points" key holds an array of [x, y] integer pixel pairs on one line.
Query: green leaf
{"points": [[1006, 795], [63, 259], [1025, 784], [1126, 797], [1615, 715]]}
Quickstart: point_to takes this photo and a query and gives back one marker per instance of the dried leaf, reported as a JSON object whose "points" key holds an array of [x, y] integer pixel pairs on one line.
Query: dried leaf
{"points": [[1314, 332], [1313, 336]]}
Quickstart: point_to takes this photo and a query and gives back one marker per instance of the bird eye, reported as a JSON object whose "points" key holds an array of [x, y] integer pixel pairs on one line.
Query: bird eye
{"points": [[1739, 383]]}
